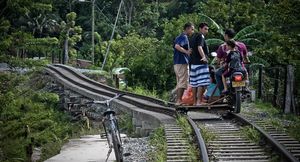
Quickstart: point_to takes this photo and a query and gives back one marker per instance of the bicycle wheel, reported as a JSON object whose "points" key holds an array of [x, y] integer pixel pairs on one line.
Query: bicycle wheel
{"points": [[117, 146]]}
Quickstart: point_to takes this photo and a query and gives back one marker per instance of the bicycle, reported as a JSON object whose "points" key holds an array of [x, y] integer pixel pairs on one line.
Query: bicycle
{"points": [[111, 128]]}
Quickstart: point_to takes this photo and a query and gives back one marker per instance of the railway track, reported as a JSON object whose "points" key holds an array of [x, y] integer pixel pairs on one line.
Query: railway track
{"points": [[231, 144], [177, 145], [280, 140]]}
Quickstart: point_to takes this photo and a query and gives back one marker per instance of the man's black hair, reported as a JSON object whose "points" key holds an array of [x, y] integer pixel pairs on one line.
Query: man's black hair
{"points": [[202, 25], [230, 33], [187, 25], [231, 43]]}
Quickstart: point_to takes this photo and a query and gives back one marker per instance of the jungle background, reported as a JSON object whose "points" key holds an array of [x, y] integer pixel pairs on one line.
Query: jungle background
{"points": [[142, 42], [145, 32]]}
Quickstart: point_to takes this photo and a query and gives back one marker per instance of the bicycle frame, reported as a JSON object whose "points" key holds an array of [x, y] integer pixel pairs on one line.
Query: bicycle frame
{"points": [[111, 128]]}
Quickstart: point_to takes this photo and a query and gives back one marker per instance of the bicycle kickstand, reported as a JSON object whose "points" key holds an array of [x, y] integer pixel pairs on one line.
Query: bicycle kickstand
{"points": [[108, 154]]}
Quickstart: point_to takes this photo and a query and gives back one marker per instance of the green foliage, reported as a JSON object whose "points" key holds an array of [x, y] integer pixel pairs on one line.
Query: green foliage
{"points": [[5, 38], [251, 35], [221, 17], [42, 41], [251, 133], [184, 124], [118, 71], [14, 62], [146, 30], [213, 42], [140, 90], [175, 26], [267, 107], [206, 134], [148, 59], [158, 140], [125, 122], [30, 113], [69, 36], [187, 132], [285, 122], [294, 125], [47, 98]]}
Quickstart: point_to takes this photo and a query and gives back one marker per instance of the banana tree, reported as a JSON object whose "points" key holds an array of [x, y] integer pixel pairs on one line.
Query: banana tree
{"points": [[250, 35]]}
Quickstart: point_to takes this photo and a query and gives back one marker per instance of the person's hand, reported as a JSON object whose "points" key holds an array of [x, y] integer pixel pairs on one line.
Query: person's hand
{"points": [[189, 51], [204, 59]]}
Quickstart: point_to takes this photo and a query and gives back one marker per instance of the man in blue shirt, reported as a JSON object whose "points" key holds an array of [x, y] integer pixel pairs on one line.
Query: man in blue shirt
{"points": [[182, 53]]}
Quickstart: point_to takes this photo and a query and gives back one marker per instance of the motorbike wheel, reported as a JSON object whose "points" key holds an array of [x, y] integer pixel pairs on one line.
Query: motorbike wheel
{"points": [[237, 102]]}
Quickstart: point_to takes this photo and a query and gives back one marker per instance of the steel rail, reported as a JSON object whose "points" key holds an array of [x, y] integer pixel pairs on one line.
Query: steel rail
{"points": [[130, 98], [165, 110], [272, 141], [200, 140], [155, 100]]}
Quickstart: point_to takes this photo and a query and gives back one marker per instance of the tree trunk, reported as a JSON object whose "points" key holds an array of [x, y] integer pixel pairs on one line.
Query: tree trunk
{"points": [[66, 48], [289, 104], [130, 12]]}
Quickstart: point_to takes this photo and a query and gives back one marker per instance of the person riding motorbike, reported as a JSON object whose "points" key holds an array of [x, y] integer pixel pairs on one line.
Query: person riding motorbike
{"points": [[233, 63], [222, 54]]}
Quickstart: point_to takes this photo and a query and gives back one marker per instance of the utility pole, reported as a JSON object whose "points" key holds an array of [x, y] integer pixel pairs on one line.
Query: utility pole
{"points": [[112, 35], [93, 32]]}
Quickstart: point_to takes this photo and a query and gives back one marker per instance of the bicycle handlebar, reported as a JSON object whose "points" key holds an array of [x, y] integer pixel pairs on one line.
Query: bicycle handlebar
{"points": [[105, 101]]}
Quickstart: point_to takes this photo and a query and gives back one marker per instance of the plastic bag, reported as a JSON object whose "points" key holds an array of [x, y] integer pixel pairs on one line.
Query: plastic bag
{"points": [[188, 97]]}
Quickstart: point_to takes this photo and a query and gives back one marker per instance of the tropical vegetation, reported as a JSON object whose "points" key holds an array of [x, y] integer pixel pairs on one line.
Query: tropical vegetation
{"points": [[30, 116], [60, 31], [145, 32]]}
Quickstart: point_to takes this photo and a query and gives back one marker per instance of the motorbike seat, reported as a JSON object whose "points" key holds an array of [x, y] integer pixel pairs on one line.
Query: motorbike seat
{"points": [[237, 73]]}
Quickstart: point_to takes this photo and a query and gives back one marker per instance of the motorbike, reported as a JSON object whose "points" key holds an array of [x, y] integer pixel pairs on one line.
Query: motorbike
{"points": [[236, 84]]}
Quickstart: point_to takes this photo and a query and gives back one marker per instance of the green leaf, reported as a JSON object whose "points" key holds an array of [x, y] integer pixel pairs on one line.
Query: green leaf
{"points": [[120, 70], [214, 42], [251, 41], [245, 31], [255, 34], [212, 22]]}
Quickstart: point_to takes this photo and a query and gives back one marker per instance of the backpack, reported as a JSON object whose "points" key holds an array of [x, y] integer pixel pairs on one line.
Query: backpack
{"points": [[235, 61]]}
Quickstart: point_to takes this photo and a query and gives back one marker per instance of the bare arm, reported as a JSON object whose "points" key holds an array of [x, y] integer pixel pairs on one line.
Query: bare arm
{"points": [[218, 61], [200, 49], [179, 48]]}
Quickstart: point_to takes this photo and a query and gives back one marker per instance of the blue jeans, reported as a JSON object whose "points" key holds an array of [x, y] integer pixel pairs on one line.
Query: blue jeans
{"points": [[219, 81]]}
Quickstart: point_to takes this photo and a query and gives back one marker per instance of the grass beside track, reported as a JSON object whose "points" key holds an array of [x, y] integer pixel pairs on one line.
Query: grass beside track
{"points": [[159, 142], [251, 134], [187, 133], [206, 134], [288, 123]]}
